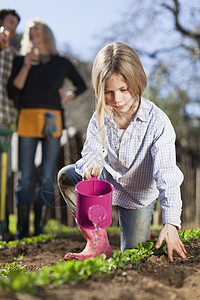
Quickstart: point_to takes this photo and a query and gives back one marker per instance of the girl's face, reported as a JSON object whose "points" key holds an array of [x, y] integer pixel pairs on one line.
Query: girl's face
{"points": [[36, 34], [118, 95]]}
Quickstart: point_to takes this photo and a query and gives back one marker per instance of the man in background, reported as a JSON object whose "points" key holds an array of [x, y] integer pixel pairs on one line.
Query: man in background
{"points": [[9, 20]]}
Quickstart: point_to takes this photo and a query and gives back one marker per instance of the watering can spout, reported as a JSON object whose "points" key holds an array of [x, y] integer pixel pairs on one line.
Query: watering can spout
{"points": [[96, 214]]}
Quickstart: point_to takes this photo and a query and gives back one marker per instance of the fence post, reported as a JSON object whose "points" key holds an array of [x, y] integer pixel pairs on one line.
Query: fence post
{"points": [[198, 196]]}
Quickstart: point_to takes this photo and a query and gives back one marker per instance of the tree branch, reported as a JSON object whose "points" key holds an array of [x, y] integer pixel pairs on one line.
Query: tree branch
{"points": [[176, 12]]}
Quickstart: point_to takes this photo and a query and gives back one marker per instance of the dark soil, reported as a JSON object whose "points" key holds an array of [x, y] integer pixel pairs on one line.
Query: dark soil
{"points": [[152, 279]]}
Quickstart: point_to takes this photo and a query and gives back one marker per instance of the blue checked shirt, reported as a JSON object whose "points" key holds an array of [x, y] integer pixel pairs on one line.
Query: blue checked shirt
{"points": [[141, 161]]}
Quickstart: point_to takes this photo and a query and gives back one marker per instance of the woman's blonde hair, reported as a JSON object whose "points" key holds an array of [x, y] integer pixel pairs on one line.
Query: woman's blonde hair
{"points": [[49, 40], [121, 59]]}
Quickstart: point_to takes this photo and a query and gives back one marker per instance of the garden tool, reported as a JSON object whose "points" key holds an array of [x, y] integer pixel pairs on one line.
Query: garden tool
{"points": [[50, 124], [5, 139]]}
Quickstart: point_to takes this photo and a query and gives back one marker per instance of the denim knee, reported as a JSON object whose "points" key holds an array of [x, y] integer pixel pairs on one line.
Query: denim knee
{"points": [[68, 173], [67, 179]]}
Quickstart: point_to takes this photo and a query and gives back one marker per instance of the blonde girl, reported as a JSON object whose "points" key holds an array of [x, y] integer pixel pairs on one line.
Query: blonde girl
{"points": [[130, 143]]}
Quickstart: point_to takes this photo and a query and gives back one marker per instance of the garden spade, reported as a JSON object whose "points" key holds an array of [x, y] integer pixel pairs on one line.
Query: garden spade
{"points": [[5, 138]]}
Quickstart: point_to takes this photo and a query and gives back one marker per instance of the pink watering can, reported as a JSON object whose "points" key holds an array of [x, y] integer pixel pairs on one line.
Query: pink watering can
{"points": [[94, 203]]}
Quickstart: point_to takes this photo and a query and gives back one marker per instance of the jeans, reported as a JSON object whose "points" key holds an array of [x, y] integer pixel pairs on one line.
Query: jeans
{"points": [[67, 179], [134, 223], [45, 186]]}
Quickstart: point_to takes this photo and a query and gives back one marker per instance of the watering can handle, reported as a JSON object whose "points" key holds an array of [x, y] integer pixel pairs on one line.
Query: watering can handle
{"points": [[94, 178]]}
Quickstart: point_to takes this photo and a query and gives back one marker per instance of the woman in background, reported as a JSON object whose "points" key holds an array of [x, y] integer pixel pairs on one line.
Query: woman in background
{"points": [[36, 85]]}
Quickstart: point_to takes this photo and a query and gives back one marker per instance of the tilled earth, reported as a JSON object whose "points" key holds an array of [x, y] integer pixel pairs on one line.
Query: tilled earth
{"points": [[153, 279]]}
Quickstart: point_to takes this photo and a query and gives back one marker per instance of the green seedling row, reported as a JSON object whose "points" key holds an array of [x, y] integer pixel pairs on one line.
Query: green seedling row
{"points": [[15, 279]]}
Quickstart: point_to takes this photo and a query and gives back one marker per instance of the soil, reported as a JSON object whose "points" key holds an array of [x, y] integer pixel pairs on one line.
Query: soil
{"points": [[155, 278]]}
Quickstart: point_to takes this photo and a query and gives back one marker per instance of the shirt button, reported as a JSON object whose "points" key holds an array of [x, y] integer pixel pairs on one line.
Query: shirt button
{"points": [[117, 146]]}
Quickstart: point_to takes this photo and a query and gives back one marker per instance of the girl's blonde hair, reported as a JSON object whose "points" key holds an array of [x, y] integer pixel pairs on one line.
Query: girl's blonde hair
{"points": [[49, 40], [121, 59]]}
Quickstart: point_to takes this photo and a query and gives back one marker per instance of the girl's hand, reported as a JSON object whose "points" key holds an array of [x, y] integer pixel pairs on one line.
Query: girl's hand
{"points": [[91, 170], [169, 234]]}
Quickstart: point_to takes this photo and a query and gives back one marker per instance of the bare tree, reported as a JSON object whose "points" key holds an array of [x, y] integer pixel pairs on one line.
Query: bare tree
{"points": [[166, 34]]}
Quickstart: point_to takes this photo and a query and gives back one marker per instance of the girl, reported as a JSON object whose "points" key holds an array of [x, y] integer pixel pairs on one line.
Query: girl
{"points": [[130, 143]]}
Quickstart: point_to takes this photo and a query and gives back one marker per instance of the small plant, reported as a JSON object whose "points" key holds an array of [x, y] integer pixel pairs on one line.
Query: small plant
{"points": [[3, 244], [9, 268]]}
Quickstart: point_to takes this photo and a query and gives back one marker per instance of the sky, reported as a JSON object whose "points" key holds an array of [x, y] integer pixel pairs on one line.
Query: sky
{"points": [[73, 22]]}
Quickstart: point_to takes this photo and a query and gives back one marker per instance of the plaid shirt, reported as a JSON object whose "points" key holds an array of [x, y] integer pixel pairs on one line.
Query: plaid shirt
{"points": [[141, 161], [7, 109]]}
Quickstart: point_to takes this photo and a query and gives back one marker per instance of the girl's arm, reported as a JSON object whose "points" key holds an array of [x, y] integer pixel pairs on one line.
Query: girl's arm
{"points": [[168, 178], [167, 175], [92, 161]]}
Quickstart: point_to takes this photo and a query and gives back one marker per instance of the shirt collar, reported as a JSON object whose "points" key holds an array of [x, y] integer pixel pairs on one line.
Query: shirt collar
{"points": [[144, 110]]}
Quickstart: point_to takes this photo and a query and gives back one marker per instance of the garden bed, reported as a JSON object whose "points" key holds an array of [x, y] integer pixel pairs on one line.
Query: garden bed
{"points": [[153, 278]]}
